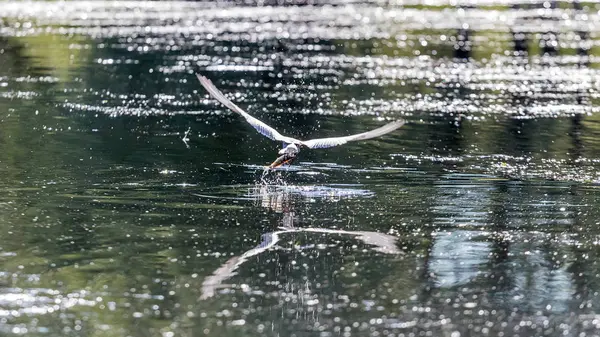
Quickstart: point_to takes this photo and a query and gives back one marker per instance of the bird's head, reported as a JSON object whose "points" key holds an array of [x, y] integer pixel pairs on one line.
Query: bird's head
{"points": [[286, 156]]}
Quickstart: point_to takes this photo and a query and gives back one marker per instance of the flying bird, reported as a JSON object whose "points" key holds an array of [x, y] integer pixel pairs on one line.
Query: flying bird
{"points": [[292, 145]]}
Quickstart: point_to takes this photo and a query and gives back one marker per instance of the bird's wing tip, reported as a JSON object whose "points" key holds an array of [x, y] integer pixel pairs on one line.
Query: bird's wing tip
{"points": [[395, 123], [398, 122]]}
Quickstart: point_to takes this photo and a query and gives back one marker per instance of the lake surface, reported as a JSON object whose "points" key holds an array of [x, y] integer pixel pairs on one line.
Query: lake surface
{"points": [[132, 204]]}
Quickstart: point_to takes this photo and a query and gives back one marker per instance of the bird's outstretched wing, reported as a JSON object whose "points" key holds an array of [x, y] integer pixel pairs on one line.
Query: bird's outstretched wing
{"points": [[261, 127], [335, 141]]}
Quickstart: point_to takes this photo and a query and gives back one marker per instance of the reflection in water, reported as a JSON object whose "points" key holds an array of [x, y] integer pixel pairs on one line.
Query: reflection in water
{"points": [[456, 257], [280, 199], [462, 46]]}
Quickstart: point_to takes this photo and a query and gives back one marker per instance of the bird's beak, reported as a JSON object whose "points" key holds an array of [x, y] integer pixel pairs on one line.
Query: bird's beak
{"points": [[284, 159]]}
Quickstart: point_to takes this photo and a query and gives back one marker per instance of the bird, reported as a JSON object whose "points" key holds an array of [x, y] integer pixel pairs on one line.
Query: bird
{"points": [[292, 146]]}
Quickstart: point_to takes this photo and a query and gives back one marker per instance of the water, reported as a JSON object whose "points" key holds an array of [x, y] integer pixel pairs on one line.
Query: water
{"points": [[132, 203]]}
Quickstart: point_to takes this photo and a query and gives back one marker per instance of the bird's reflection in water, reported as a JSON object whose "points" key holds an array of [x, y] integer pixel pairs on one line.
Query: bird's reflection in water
{"points": [[282, 199]]}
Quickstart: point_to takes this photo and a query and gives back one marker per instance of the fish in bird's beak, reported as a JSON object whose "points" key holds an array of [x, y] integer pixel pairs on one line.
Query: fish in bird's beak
{"points": [[287, 154], [286, 158]]}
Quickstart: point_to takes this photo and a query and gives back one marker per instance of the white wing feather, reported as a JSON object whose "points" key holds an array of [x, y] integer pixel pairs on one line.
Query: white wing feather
{"points": [[273, 134], [321, 143], [261, 127]]}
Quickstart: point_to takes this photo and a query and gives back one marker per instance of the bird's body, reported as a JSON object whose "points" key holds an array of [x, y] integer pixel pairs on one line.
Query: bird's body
{"points": [[292, 145]]}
